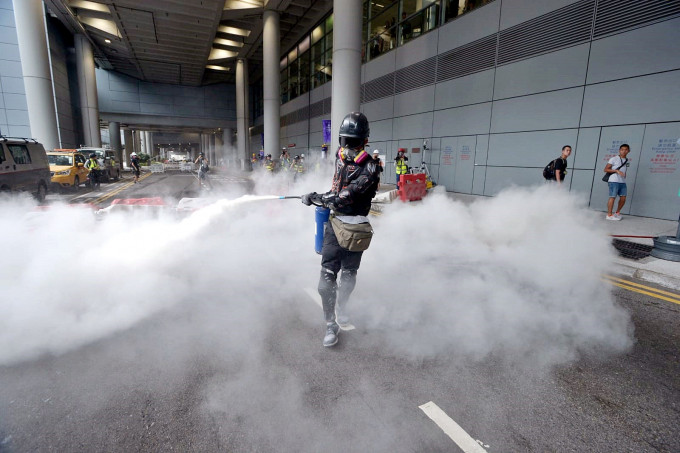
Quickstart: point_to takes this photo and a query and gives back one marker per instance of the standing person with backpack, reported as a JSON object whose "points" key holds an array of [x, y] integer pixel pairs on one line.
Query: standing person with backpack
{"points": [[616, 169], [203, 169], [557, 169]]}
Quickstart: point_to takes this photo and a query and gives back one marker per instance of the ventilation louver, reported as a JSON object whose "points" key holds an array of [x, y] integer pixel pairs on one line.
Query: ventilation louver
{"points": [[564, 27], [378, 88], [415, 76], [473, 57], [616, 15]]}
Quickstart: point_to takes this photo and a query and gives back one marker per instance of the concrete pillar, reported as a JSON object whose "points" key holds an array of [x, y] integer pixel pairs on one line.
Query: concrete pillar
{"points": [[129, 144], [271, 82], [114, 138], [228, 149], [87, 85], [219, 149], [138, 141], [35, 65], [346, 94], [148, 140], [242, 110], [212, 138]]}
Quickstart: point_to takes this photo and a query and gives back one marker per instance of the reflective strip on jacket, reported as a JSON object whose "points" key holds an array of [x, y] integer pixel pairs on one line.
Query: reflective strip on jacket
{"points": [[402, 168]]}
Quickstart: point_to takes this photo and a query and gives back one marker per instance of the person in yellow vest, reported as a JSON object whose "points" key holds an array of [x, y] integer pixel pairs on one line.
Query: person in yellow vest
{"points": [[269, 163], [93, 166], [298, 167], [285, 160], [400, 164]]}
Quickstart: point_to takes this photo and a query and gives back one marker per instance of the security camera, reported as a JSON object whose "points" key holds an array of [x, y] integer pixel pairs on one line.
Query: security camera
{"points": [[426, 144]]}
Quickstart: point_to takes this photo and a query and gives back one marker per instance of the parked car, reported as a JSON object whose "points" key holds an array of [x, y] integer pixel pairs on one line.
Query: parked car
{"points": [[110, 168], [67, 167], [23, 166]]}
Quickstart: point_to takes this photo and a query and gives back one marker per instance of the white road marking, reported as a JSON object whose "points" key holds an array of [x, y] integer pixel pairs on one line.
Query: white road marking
{"points": [[451, 428], [316, 298]]}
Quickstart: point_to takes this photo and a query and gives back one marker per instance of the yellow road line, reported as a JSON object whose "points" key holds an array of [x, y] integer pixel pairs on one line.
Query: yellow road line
{"points": [[118, 190], [660, 291], [652, 291]]}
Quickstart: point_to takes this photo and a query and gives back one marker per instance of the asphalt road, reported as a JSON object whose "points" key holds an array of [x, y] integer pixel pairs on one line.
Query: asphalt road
{"points": [[159, 386]]}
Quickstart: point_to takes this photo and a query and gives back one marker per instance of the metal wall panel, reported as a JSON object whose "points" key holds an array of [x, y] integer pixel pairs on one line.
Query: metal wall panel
{"points": [[471, 119], [553, 71], [406, 127], [447, 160], [385, 64], [464, 164], [414, 101], [628, 54], [529, 149], [611, 139], [585, 153], [479, 180], [416, 50], [582, 182], [658, 175], [380, 130], [552, 110], [645, 99], [471, 89], [500, 178], [379, 110]]}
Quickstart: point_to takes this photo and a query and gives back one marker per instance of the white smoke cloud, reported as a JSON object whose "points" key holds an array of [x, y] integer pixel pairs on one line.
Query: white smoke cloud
{"points": [[517, 275], [217, 300]]}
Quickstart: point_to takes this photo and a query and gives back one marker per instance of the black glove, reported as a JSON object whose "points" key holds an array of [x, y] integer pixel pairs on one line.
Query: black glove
{"points": [[328, 200], [307, 198]]}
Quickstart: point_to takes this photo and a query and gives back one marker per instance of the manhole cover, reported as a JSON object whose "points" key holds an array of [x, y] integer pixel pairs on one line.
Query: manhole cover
{"points": [[632, 250]]}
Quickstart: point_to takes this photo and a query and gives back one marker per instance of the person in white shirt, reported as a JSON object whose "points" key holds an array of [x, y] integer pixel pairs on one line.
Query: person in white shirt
{"points": [[617, 166]]}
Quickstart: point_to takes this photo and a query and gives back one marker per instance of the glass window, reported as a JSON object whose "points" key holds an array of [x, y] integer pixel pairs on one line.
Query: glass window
{"points": [[329, 41], [317, 33], [292, 55], [304, 72], [2, 154], [284, 86], [329, 23], [380, 30], [283, 63], [452, 8], [19, 154], [304, 45]]}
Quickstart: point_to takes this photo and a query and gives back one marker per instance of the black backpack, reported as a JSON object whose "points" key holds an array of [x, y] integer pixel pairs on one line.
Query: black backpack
{"points": [[549, 170]]}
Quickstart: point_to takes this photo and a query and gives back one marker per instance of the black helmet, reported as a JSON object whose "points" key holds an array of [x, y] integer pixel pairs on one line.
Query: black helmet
{"points": [[93, 156], [354, 125]]}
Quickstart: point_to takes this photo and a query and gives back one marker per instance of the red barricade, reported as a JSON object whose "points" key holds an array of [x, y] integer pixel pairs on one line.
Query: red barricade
{"points": [[412, 187]]}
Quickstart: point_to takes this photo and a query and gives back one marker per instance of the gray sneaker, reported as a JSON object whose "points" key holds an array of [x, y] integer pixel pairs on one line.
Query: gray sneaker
{"points": [[331, 338]]}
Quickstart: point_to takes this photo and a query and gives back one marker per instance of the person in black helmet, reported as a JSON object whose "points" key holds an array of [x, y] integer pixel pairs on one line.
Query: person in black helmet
{"points": [[354, 185]]}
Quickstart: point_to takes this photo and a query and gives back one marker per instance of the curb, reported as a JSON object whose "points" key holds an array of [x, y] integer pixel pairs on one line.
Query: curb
{"points": [[664, 280]]}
